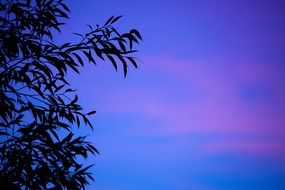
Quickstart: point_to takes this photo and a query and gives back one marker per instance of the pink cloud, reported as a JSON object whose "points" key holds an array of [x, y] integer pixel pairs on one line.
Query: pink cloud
{"points": [[247, 148], [219, 109], [220, 94]]}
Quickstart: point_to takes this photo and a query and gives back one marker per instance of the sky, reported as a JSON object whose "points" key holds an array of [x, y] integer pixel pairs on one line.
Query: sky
{"points": [[205, 110]]}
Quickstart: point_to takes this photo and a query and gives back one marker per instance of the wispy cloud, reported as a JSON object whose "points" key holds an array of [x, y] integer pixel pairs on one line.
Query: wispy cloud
{"points": [[240, 100]]}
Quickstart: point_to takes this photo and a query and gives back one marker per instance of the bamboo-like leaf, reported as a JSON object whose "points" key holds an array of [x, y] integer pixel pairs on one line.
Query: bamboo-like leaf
{"points": [[109, 21], [116, 19], [136, 32], [131, 59], [113, 61], [91, 113], [78, 58]]}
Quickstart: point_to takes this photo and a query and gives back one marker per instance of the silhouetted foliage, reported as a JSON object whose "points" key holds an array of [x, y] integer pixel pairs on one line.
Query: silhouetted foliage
{"points": [[36, 101]]}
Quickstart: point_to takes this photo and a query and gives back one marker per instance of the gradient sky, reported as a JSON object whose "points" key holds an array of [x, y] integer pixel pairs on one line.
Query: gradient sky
{"points": [[204, 111]]}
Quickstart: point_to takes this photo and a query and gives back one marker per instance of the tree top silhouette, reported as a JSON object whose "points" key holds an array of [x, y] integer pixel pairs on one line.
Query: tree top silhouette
{"points": [[36, 100]]}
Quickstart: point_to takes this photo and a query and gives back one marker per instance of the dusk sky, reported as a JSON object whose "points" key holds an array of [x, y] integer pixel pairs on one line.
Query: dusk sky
{"points": [[205, 110]]}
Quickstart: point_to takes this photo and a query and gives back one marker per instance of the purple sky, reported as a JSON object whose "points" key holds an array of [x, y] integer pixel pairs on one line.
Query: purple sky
{"points": [[206, 108]]}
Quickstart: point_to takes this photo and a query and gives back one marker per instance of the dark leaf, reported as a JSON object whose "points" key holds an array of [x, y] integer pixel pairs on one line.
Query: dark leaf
{"points": [[89, 56], [121, 44], [92, 112], [131, 59], [115, 19], [109, 20], [74, 100], [136, 33], [4, 133], [125, 66], [78, 58], [65, 7], [112, 61]]}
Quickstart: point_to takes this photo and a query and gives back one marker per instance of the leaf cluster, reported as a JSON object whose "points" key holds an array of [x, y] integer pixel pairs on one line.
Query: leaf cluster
{"points": [[36, 100]]}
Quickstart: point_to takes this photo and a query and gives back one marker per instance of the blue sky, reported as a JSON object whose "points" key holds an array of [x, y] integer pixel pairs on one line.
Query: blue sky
{"points": [[204, 111]]}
